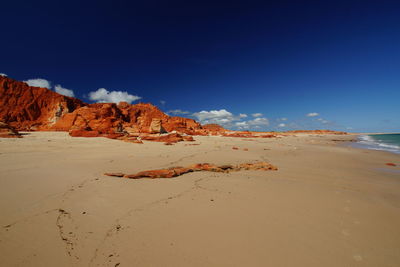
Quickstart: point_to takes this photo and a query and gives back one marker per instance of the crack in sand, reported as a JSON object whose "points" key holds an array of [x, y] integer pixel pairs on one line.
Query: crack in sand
{"points": [[116, 228], [63, 195], [74, 187], [66, 237], [8, 226]]}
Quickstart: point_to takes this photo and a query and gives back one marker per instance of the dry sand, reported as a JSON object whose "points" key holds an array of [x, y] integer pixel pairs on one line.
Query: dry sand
{"points": [[327, 205]]}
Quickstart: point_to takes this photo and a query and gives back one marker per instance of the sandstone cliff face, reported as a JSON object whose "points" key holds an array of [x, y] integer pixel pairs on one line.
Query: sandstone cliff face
{"points": [[111, 118], [32, 108]]}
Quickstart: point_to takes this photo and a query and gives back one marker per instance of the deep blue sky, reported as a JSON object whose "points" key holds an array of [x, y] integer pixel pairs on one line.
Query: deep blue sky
{"points": [[284, 59]]}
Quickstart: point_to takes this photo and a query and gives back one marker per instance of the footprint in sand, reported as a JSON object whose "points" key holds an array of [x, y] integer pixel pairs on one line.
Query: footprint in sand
{"points": [[346, 209]]}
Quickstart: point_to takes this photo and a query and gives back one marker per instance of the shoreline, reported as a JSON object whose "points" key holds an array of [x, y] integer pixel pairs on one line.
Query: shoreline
{"points": [[328, 204], [366, 141]]}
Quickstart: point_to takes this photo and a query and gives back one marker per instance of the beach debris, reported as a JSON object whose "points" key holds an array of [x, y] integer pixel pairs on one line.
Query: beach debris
{"points": [[391, 164], [178, 171], [235, 148]]}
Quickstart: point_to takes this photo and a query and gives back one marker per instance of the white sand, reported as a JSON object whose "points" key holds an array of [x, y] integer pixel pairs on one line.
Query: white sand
{"points": [[327, 205]]}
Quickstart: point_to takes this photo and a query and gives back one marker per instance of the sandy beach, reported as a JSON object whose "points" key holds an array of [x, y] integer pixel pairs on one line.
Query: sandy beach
{"points": [[328, 204]]}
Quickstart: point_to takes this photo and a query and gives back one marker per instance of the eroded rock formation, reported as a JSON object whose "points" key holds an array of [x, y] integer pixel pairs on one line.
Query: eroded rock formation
{"points": [[177, 171], [109, 118], [32, 108], [156, 126]]}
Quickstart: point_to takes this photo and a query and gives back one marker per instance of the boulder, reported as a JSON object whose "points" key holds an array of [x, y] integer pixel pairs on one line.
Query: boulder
{"points": [[81, 133], [169, 138], [6, 131], [156, 126]]}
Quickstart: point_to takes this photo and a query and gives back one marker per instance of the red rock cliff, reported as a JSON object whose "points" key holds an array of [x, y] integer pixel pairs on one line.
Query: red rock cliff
{"points": [[113, 118], [32, 108]]}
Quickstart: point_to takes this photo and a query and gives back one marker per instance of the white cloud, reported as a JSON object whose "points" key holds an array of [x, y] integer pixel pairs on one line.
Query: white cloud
{"points": [[178, 112], [102, 95], [163, 102], [43, 83], [241, 124], [282, 125], [221, 116], [255, 123], [63, 91], [312, 114], [322, 120], [229, 120], [3, 74], [256, 115], [259, 122]]}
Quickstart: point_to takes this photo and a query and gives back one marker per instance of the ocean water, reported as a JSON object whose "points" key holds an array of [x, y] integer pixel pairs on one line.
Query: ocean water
{"points": [[386, 142]]}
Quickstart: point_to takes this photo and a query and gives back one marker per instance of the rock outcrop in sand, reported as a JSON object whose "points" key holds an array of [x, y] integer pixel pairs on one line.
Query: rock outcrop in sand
{"points": [[178, 171], [169, 138], [109, 118], [6, 131]]}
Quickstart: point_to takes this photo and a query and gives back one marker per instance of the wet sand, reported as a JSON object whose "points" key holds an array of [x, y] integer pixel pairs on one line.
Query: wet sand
{"points": [[328, 204]]}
